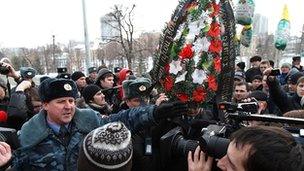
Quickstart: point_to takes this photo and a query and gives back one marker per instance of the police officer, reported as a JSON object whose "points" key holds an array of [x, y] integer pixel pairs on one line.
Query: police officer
{"points": [[92, 75]]}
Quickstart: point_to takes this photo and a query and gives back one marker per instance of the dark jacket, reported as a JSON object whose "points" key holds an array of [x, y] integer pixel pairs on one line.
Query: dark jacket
{"points": [[42, 150], [281, 99], [142, 161], [18, 110], [103, 110], [111, 97], [90, 80]]}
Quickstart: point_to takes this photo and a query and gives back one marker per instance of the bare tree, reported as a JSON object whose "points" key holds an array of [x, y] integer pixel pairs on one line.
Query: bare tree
{"points": [[123, 20]]}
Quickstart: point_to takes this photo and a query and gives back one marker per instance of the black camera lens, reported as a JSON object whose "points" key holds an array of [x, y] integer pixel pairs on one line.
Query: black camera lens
{"points": [[215, 146]]}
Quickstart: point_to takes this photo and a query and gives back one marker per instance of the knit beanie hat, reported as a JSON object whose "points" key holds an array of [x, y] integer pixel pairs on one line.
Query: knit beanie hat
{"points": [[101, 73], [89, 92], [76, 75], [106, 148], [293, 79]]}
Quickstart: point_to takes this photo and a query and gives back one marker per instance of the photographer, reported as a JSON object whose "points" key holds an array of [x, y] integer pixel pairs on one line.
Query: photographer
{"points": [[7, 69], [25, 101], [281, 99], [255, 148]]}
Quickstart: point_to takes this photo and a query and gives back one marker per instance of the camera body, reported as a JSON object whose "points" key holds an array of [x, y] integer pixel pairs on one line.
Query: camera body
{"points": [[3, 69], [275, 72]]}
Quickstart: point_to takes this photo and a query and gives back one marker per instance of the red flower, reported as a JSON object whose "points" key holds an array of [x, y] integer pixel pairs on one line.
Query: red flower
{"points": [[215, 46], [217, 64], [182, 97], [216, 9], [191, 6], [199, 94], [3, 116], [167, 68], [214, 30], [212, 84], [168, 83], [186, 52]]}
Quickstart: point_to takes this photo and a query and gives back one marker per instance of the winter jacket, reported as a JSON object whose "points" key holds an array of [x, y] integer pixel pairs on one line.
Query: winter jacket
{"points": [[281, 99], [18, 111]]}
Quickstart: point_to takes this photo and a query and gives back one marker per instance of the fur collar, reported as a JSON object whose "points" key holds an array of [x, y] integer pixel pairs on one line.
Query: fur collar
{"points": [[36, 129]]}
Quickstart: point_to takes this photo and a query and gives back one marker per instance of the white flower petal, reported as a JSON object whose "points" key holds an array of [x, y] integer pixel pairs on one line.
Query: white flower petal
{"points": [[181, 77], [199, 76], [175, 67]]}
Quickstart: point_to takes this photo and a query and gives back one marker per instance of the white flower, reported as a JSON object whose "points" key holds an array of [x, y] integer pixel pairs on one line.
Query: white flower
{"points": [[206, 18], [199, 76], [181, 77], [175, 67], [201, 44], [193, 30], [196, 58]]}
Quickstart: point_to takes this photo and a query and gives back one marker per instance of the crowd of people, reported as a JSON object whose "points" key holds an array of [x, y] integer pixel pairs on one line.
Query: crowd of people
{"points": [[114, 120]]}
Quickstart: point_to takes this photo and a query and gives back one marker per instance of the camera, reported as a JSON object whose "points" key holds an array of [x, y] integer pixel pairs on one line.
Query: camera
{"points": [[174, 144], [246, 107], [3, 69], [9, 136], [275, 72]]}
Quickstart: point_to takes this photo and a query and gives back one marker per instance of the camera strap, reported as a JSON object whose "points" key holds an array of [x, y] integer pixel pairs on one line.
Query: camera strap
{"points": [[8, 85]]}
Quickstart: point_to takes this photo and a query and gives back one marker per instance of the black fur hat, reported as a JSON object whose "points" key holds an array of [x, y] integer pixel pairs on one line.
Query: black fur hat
{"points": [[27, 72], [92, 69], [54, 88], [62, 70], [136, 88]]}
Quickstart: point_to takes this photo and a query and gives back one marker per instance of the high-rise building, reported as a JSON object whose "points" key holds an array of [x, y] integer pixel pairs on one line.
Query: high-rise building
{"points": [[260, 24], [109, 28]]}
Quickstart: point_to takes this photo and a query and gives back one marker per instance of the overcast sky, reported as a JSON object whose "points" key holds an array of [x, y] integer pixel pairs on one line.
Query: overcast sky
{"points": [[31, 23]]}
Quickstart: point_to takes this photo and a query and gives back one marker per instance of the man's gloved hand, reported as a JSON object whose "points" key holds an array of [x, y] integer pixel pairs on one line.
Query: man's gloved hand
{"points": [[170, 110]]}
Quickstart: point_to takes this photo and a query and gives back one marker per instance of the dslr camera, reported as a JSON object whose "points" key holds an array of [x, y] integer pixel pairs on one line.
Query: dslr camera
{"points": [[244, 107], [174, 144], [3, 69]]}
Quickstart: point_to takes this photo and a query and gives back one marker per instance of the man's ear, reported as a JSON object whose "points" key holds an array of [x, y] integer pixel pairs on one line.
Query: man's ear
{"points": [[45, 106]]}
